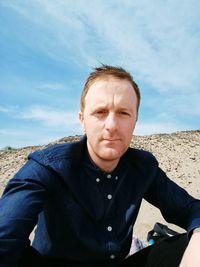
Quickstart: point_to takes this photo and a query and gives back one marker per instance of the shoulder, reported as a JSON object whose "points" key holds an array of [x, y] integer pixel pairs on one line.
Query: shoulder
{"points": [[59, 152], [141, 157]]}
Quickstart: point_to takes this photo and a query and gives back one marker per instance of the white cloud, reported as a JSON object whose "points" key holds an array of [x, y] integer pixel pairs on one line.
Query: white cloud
{"points": [[173, 105], [188, 105], [8, 109], [4, 110], [157, 128], [27, 137], [158, 42], [50, 117], [48, 125], [51, 86]]}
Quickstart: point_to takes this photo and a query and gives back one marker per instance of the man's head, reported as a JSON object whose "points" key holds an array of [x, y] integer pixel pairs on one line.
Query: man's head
{"points": [[105, 72], [109, 110]]}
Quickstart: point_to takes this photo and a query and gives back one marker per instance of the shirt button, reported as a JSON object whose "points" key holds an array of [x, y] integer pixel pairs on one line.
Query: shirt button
{"points": [[112, 256], [97, 180], [109, 196], [109, 228], [116, 177], [109, 176]]}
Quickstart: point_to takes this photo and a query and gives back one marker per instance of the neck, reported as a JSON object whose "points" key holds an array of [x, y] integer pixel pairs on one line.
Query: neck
{"points": [[104, 165]]}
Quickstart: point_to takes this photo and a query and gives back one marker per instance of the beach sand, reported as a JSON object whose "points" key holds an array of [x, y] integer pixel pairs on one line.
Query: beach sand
{"points": [[178, 155]]}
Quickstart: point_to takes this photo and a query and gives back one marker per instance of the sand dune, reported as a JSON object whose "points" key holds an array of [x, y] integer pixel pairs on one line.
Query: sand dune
{"points": [[177, 153]]}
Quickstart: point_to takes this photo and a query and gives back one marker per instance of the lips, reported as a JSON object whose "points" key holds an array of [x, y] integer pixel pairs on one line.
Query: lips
{"points": [[111, 140]]}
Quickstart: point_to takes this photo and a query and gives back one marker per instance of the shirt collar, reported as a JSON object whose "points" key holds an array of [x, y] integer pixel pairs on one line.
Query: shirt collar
{"points": [[91, 166]]}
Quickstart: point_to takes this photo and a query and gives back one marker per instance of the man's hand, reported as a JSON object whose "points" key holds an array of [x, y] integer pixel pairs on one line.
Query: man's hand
{"points": [[191, 256]]}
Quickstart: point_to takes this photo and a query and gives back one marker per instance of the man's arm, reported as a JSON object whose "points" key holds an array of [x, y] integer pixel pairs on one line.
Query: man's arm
{"points": [[178, 207], [20, 205], [175, 204], [191, 257]]}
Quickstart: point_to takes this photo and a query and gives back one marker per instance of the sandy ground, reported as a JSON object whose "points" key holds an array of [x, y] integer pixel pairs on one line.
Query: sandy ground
{"points": [[178, 155]]}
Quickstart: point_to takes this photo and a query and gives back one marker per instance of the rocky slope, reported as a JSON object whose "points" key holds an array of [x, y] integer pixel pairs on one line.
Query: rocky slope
{"points": [[178, 155]]}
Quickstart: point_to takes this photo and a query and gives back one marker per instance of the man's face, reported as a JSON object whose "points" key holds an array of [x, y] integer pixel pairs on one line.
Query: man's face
{"points": [[108, 119]]}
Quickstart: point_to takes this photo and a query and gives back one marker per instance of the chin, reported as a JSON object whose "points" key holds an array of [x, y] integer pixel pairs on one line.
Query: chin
{"points": [[111, 155]]}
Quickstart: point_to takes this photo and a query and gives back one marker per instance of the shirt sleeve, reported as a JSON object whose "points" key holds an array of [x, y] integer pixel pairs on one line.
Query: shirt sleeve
{"points": [[20, 204], [175, 204]]}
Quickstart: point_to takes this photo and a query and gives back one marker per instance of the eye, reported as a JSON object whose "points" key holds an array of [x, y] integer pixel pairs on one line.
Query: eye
{"points": [[124, 113], [100, 112]]}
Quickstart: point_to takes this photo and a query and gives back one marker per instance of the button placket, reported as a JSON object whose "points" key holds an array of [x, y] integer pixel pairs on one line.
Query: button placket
{"points": [[109, 228], [110, 187], [98, 180], [109, 196], [112, 256]]}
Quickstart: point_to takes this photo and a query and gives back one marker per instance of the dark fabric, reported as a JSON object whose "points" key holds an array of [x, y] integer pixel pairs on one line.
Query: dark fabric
{"points": [[139, 259], [165, 253], [31, 258], [168, 252], [58, 190]]}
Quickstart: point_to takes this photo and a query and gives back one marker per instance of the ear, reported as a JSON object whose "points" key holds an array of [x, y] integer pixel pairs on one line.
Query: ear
{"points": [[81, 119]]}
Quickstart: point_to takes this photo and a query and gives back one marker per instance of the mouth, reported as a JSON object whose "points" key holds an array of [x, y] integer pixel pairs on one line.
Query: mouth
{"points": [[111, 140]]}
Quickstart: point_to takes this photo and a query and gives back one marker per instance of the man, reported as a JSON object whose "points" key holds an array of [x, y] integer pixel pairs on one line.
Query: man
{"points": [[85, 196]]}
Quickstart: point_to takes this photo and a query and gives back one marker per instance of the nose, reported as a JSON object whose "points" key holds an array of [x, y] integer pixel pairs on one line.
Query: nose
{"points": [[111, 122]]}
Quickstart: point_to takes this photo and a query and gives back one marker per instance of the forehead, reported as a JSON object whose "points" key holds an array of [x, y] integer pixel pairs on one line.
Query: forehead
{"points": [[109, 80], [112, 90]]}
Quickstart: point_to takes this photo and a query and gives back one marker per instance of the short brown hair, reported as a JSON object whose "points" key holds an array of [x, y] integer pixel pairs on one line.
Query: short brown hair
{"points": [[106, 71]]}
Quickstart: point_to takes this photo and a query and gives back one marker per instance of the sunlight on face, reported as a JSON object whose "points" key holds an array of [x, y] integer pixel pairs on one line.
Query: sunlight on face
{"points": [[109, 119]]}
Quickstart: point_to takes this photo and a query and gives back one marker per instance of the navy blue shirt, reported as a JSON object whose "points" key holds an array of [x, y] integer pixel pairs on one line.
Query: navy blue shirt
{"points": [[85, 216]]}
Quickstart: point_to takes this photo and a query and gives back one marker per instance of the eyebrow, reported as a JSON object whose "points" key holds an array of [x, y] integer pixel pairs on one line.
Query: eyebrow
{"points": [[95, 108]]}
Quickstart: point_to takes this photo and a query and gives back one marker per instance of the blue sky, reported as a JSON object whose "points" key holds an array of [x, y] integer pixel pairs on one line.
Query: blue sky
{"points": [[47, 49]]}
